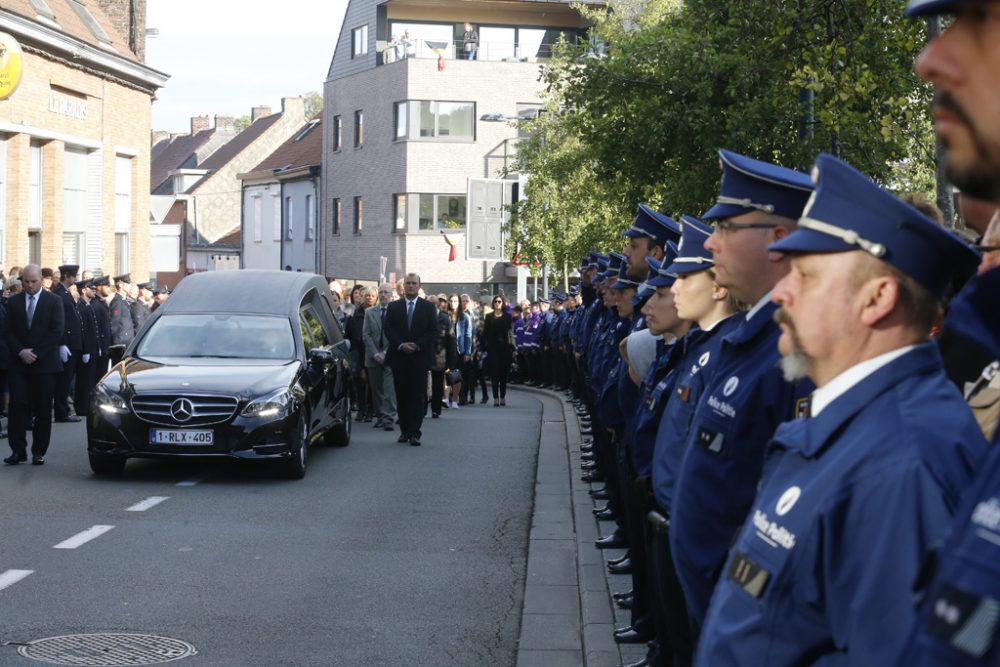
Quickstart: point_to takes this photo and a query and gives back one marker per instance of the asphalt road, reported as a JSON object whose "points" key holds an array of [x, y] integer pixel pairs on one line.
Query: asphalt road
{"points": [[385, 554]]}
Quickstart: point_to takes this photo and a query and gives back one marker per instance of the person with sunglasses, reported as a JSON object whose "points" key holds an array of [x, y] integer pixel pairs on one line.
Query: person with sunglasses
{"points": [[497, 335]]}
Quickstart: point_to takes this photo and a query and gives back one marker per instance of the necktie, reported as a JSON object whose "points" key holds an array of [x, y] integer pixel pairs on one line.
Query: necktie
{"points": [[382, 328], [31, 308], [409, 314]]}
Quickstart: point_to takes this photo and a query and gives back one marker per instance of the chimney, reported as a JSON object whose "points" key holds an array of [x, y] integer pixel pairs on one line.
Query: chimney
{"points": [[156, 136], [295, 107], [199, 124], [128, 17], [225, 124], [259, 112]]}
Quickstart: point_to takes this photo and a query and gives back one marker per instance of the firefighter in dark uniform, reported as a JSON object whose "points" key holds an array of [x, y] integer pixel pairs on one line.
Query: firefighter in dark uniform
{"points": [[70, 346], [102, 318], [86, 362], [140, 309], [122, 328]]}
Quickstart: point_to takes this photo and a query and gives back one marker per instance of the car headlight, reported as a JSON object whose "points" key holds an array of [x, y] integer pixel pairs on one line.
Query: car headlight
{"points": [[108, 401], [275, 404]]}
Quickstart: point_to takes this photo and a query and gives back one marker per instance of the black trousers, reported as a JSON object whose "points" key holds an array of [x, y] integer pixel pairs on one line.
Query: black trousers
{"points": [[85, 381], [411, 398], [467, 394], [30, 396], [437, 391], [64, 384], [669, 608]]}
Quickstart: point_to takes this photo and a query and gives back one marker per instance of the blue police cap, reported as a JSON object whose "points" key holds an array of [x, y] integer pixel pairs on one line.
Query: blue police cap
{"points": [[656, 226], [624, 282], [691, 254], [931, 7], [544, 300], [659, 276], [595, 261], [615, 262], [850, 212], [602, 265], [558, 296], [751, 185], [645, 291]]}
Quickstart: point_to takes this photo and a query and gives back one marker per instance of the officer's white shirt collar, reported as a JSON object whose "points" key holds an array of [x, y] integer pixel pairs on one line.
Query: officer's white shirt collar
{"points": [[764, 300], [841, 384]]}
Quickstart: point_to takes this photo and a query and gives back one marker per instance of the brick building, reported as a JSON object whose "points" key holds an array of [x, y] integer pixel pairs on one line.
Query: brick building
{"points": [[404, 136], [74, 137]]}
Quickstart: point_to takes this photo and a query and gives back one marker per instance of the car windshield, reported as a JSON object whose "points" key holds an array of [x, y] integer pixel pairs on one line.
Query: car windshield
{"points": [[218, 335]]}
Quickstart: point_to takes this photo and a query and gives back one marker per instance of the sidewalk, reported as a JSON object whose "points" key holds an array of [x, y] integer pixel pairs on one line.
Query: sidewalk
{"points": [[568, 614]]}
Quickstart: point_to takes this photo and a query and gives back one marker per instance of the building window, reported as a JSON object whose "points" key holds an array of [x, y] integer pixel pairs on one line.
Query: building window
{"points": [[35, 247], [358, 214], [440, 212], [431, 120], [289, 217], [258, 219], [43, 9], [122, 258], [399, 213], [35, 187], [75, 209], [89, 20], [359, 128], [359, 41], [526, 112], [276, 216], [310, 218], [400, 116], [74, 248], [123, 200], [336, 217], [338, 133]]}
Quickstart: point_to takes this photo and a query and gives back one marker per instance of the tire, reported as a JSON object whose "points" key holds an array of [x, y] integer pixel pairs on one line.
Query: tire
{"points": [[340, 434], [103, 464], [294, 467]]}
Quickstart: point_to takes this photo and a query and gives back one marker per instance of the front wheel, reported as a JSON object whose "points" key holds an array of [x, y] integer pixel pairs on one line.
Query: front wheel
{"points": [[294, 467], [104, 464], [339, 435]]}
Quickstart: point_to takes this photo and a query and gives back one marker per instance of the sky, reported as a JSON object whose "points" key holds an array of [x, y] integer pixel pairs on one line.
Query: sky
{"points": [[224, 58]]}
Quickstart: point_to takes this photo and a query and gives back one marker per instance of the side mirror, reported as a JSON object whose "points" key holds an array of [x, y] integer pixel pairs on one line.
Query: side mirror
{"points": [[115, 353], [320, 356]]}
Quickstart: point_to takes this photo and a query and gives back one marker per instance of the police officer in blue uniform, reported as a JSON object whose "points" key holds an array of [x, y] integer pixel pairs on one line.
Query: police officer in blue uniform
{"points": [[855, 495], [759, 203], [957, 623]]}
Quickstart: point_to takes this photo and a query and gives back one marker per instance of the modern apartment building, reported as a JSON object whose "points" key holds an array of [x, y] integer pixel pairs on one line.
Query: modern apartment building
{"points": [[403, 131]]}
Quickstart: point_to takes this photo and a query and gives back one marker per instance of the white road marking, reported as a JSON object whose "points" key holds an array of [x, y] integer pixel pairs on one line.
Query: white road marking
{"points": [[11, 577], [144, 505], [193, 480], [82, 538]]}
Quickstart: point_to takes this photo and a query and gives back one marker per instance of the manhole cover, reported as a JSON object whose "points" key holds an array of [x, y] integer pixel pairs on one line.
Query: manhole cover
{"points": [[107, 649]]}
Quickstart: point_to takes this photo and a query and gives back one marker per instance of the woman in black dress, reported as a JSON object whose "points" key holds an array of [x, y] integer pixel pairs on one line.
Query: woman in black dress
{"points": [[497, 333]]}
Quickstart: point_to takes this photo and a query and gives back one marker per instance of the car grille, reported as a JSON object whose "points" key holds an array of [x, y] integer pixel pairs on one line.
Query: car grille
{"points": [[169, 409]]}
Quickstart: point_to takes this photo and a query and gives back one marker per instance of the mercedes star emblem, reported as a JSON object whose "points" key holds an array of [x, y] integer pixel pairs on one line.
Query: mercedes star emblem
{"points": [[182, 409]]}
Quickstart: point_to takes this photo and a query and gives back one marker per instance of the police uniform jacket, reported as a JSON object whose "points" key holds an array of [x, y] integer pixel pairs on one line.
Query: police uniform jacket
{"points": [[958, 619], [850, 504], [653, 397], [73, 337], [140, 313], [102, 318], [88, 329], [122, 329], [694, 371], [732, 423]]}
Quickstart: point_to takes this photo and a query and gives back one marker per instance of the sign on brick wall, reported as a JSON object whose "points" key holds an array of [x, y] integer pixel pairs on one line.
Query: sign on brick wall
{"points": [[11, 65]]}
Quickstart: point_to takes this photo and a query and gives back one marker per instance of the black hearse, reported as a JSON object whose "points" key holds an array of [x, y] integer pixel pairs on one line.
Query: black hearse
{"points": [[241, 364]]}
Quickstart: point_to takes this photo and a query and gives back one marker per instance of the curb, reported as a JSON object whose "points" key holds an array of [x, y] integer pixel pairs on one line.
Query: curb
{"points": [[568, 615]]}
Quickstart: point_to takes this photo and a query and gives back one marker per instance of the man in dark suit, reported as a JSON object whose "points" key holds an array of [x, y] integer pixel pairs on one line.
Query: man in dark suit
{"points": [[102, 316], [34, 331], [410, 329], [72, 342], [86, 361]]}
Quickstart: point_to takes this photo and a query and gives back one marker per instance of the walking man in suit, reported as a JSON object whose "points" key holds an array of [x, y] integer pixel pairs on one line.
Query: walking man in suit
{"points": [[379, 375], [410, 329], [35, 328]]}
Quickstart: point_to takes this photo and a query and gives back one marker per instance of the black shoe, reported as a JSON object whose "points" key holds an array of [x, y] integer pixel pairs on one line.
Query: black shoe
{"points": [[435, 415], [606, 514], [37, 460], [14, 459], [625, 603], [387, 426], [624, 567], [587, 448], [592, 477], [632, 636], [414, 441], [613, 541], [483, 402], [600, 494], [621, 559], [588, 465], [598, 510], [645, 662], [378, 424], [587, 457], [586, 431], [403, 437], [626, 594], [69, 419]]}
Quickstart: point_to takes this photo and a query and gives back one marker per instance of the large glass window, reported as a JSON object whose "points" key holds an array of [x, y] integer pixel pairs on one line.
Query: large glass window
{"points": [[74, 248], [359, 41], [496, 43], [399, 213], [432, 120], [122, 254], [35, 186], [224, 335], [123, 196], [310, 218], [400, 113], [440, 212], [426, 40]]}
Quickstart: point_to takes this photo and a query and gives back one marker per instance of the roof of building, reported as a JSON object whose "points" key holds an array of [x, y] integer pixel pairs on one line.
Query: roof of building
{"points": [[230, 238], [242, 140], [177, 153], [83, 21], [303, 149]]}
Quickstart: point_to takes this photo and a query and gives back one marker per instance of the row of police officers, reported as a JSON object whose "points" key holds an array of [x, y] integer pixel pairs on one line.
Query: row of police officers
{"points": [[796, 480]]}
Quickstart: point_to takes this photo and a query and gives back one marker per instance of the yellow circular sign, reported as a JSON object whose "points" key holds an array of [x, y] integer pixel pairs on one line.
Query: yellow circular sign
{"points": [[11, 65]]}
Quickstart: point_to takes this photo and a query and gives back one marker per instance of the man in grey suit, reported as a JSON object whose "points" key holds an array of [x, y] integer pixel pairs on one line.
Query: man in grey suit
{"points": [[379, 375]]}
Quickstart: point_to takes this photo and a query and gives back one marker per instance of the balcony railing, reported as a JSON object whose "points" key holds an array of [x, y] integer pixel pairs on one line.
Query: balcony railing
{"points": [[491, 51]]}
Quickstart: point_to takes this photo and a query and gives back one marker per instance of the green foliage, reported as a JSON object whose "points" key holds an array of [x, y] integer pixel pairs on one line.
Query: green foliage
{"points": [[678, 81]]}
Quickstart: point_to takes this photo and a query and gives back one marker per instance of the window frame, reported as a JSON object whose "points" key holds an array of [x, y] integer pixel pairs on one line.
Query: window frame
{"points": [[359, 205], [415, 107], [338, 133], [359, 41], [337, 210], [359, 128]]}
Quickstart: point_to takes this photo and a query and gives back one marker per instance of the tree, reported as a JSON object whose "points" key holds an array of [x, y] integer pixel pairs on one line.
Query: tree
{"points": [[779, 80]]}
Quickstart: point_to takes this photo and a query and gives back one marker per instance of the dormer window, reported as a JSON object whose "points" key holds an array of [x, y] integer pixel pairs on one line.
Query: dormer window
{"points": [[95, 28], [43, 9]]}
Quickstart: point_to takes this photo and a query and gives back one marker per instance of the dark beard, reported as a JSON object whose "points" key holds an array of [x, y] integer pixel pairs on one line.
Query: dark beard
{"points": [[982, 179]]}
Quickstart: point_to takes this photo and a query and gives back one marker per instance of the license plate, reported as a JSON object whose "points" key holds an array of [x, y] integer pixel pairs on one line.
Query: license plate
{"points": [[159, 436]]}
